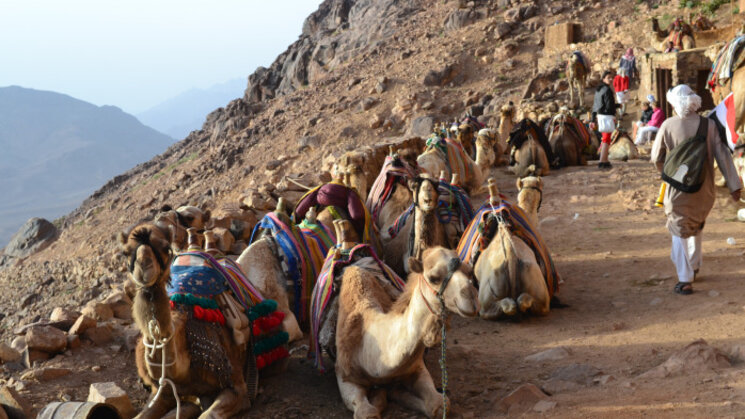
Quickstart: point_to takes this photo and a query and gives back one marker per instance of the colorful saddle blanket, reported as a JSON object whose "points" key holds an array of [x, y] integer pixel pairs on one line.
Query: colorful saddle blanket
{"points": [[480, 232], [728, 60], [455, 156], [579, 129], [394, 172], [325, 289], [303, 249]]}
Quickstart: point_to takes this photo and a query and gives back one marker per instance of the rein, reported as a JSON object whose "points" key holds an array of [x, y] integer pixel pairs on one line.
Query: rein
{"points": [[453, 265], [150, 348]]}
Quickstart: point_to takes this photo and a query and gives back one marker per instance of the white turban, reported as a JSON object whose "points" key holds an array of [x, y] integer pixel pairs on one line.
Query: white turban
{"points": [[684, 100]]}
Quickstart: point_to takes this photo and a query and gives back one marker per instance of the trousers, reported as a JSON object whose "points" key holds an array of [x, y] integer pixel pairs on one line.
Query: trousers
{"points": [[686, 256]]}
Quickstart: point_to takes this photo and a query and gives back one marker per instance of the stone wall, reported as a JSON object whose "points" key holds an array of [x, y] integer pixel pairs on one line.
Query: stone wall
{"points": [[561, 35], [689, 67]]}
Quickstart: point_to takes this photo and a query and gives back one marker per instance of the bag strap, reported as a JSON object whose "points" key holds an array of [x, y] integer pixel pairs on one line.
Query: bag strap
{"points": [[703, 129]]}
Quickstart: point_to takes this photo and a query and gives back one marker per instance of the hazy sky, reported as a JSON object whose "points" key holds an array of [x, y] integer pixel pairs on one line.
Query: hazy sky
{"points": [[137, 53]]}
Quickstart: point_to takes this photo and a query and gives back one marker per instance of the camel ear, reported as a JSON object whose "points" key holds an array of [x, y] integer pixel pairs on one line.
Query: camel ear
{"points": [[121, 238], [412, 185], [540, 182], [519, 184], [415, 265], [207, 215]]}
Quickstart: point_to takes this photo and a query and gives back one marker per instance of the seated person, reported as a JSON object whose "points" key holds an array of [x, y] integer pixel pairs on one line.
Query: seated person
{"points": [[646, 115], [646, 133]]}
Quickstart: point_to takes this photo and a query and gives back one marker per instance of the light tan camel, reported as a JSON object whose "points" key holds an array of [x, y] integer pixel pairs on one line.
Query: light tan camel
{"points": [[381, 336], [510, 279], [736, 86], [577, 77], [421, 230], [530, 159], [221, 376], [350, 168], [433, 161], [622, 148], [530, 197], [488, 150], [261, 263], [506, 123]]}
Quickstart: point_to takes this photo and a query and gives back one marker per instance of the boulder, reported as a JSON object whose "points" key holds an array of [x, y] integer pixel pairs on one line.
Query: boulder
{"points": [[19, 343], [35, 235], [120, 304], [46, 339], [696, 357], [15, 406], [521, 399], [461, 18], [8, 354], [98, 311], [45, 374], [422, 126], [64, 317], [99, 335], [113, 395], [441, 77], [32, 355], [82, 324]]}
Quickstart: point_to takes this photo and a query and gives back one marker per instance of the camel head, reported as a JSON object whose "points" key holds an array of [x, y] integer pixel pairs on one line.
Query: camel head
{"points": [[442, 272], [485, 145], [507, 111], [530, 193], [190, 216], [426, 195], [350, 168], [149, 254], [465, 133]]}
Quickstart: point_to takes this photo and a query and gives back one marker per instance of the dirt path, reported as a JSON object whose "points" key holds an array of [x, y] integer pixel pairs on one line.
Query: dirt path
{"points": [[612, 249]]}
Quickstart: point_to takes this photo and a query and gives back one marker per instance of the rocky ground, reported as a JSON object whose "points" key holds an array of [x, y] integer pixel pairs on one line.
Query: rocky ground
{"points": [[346, 86]]}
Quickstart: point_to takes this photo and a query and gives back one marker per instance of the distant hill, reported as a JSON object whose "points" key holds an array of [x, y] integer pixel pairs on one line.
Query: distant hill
{"points": [[56, 150], [186, 112]]}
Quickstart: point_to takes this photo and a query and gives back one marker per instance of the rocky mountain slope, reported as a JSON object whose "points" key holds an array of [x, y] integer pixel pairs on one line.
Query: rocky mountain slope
{"points": [[184, 113], [363, 74], [56, 150]]}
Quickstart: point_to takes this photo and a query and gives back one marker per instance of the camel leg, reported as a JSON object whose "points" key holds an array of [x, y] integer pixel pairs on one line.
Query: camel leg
{"points": [[524, 302], [571, 92], [226, 405], [508, 306], [188, 411], [420, 393], [355, 398], [534, 286], [163, 405]]}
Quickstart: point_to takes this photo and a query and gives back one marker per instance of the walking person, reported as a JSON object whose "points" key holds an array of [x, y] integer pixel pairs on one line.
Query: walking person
{"points": [[687, 211], [621, 86], [604, 108], [628, 64]]}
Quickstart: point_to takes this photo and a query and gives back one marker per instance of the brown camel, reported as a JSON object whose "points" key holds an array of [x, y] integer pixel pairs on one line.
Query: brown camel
{"points": [[530, 197], [530, 159], [175, 222], [736, 86], [381, 333], [577, 76], [565, 141], [465, 137], [201, 359], [622, 148], [421, 230], [510, 279]]}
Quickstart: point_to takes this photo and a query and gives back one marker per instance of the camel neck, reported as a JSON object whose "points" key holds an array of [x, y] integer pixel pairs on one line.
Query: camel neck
{"points": [[428, 231]]}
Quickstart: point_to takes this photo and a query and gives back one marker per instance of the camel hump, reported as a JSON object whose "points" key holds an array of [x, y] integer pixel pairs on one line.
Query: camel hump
{"points": [[531, 170]]}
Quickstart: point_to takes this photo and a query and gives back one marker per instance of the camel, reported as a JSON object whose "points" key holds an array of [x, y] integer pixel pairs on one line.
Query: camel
{"points": [[396, 172], [577, 72], [175, 222], [261, 262], [465, 138], [201, 359], [530, 197], [350, 168], [530, 158], [566, 142], [509, 276], [506, 123], [421, 227], [488, 149], [381, 333], [622, 148], [679, 34], [435, 159], [736, 85]]}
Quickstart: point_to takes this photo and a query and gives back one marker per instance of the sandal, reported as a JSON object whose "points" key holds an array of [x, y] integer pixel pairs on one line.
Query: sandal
{"points": [[683, 288]]}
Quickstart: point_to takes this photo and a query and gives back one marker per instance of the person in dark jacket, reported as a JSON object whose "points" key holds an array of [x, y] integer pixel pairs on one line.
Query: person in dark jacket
{"points": [[646, 115], [604, 106]]}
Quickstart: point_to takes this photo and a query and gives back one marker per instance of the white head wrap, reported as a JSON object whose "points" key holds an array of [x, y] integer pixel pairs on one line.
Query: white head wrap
{"points": [[684, 100], [650, 98]]}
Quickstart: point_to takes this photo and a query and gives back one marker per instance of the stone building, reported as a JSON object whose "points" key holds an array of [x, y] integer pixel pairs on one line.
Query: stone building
{"points": [[660, 72]]}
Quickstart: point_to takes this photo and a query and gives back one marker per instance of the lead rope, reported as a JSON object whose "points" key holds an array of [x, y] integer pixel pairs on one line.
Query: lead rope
{"points": [[150, 348], [443, 357]]}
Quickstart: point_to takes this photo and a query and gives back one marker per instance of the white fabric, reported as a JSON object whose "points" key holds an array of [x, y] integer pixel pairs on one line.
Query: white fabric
{"points": [[645, 135], [621, 97], [686, 256], [606, 123], [684, 100], [650, 98]]}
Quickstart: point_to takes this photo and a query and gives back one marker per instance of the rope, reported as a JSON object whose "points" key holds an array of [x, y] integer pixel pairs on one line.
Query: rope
{"points": [[443, 357], [150, 348]]}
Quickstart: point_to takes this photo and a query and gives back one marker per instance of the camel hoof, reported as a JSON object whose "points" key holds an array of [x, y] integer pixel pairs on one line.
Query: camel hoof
{"points": [[366, 411], [508, 306], [525, 302]]}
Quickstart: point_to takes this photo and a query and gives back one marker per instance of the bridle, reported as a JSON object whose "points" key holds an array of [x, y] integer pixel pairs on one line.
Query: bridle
{"points": [[453, 265]]}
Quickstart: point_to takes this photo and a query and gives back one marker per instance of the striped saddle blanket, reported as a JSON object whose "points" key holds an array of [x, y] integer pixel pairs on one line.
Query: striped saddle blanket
{"points": [[325, 289], [456, 157], [482, 228], [394, 173], [727, 61]]}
